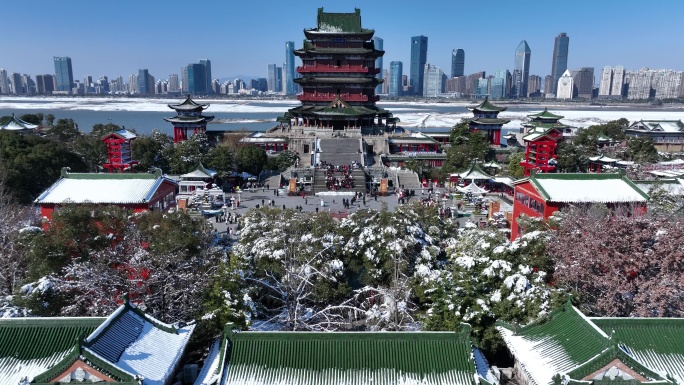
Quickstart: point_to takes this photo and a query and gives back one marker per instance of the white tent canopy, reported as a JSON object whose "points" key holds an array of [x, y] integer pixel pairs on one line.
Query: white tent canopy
{"points": [[472, 188]]}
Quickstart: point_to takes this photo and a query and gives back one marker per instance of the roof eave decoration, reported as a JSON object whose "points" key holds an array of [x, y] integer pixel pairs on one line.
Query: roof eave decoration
{"points": [[188, 103], [487, 106]]}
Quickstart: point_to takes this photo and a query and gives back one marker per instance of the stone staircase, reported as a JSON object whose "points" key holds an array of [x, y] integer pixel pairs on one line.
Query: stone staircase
{"points": [[359, 177], [408, 179], [340, 151]]}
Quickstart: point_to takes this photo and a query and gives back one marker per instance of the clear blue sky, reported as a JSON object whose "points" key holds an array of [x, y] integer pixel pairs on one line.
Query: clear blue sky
{"points": [[243, 37]]}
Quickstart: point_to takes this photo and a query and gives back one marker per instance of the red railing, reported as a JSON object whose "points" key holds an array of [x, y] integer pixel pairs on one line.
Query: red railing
{"points": [[331, 68]]}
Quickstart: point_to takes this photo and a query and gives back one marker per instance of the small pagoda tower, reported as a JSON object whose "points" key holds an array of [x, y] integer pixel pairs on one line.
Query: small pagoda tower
{"points": [[188, 118], [338, 77], [119, 150], [486, 119], [542, 134]]}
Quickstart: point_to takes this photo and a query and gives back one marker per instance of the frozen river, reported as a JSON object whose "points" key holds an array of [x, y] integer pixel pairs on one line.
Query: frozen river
{"points": [[144, 115]]}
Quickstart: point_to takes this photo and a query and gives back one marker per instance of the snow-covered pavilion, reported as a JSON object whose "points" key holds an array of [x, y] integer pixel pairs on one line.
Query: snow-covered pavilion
{"points": [[337, 358], [542, 194], [566, 347], [128, 347]]}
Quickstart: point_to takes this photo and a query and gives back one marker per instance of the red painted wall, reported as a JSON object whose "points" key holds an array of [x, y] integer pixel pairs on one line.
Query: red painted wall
{"points": [[519, 208]]}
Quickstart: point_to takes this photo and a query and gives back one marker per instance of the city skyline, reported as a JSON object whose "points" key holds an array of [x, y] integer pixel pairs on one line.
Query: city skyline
{"points": [[600, 37]]}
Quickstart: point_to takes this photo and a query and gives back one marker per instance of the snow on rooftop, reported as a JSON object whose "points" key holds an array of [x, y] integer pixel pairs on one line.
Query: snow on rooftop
{"points": [[139, 344], [590, 190], [15, 369], [155, 353], [541, 359], [101, 191]]}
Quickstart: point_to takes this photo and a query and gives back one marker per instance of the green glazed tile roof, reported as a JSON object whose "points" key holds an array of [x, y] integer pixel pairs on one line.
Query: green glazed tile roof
{"points": [[317, 358], [188, 105], [657, 343], [486, 106], [190, 119], [339, 22], [587, 188], [13, 123], [545, 115], [31, 346], [489, 121], [558, 344]]}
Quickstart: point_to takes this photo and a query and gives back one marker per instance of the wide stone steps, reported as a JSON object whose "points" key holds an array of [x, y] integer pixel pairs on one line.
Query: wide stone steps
{"points": [[340, 151], [359, 177]]}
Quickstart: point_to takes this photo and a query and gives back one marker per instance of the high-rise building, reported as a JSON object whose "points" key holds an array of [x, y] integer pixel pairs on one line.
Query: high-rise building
{"points": [[606, 82], [279, 79], [482, 88], [102, 86], [272, 78], [473, 81], [207, 75], [196, 78], [174, 84], [64, 75], [145, 82], [456, 85], [196, 81], [583, 79], [17, 84], [433, 81], [548, 88], [419, 46], [521, 73], [565, 89], [4, 82], [652, 84], [499, 84], [377, 43], [384, 88], [45, 84], [612, 83], [457, 62], [534, 86], [289, 69], [560, 58], [395, 79], [618, 84]]}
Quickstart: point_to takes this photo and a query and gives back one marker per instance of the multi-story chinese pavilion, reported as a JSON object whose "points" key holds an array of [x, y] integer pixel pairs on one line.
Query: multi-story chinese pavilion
{"points": [[188, 118], [338, 77], [119, 150], [486, 119], [542, 134]]}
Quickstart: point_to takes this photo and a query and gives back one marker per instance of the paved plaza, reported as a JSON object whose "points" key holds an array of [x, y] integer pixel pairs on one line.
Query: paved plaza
{"points": [[327, 203]]}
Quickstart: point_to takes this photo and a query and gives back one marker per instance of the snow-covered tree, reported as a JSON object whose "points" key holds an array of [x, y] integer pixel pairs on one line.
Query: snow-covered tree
{"points": [[486, 279], [164, 262], [15, 229], [288, 259]]}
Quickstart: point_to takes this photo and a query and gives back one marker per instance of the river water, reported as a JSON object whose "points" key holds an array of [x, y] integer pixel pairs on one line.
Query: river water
{"points": [[145, 115]]}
